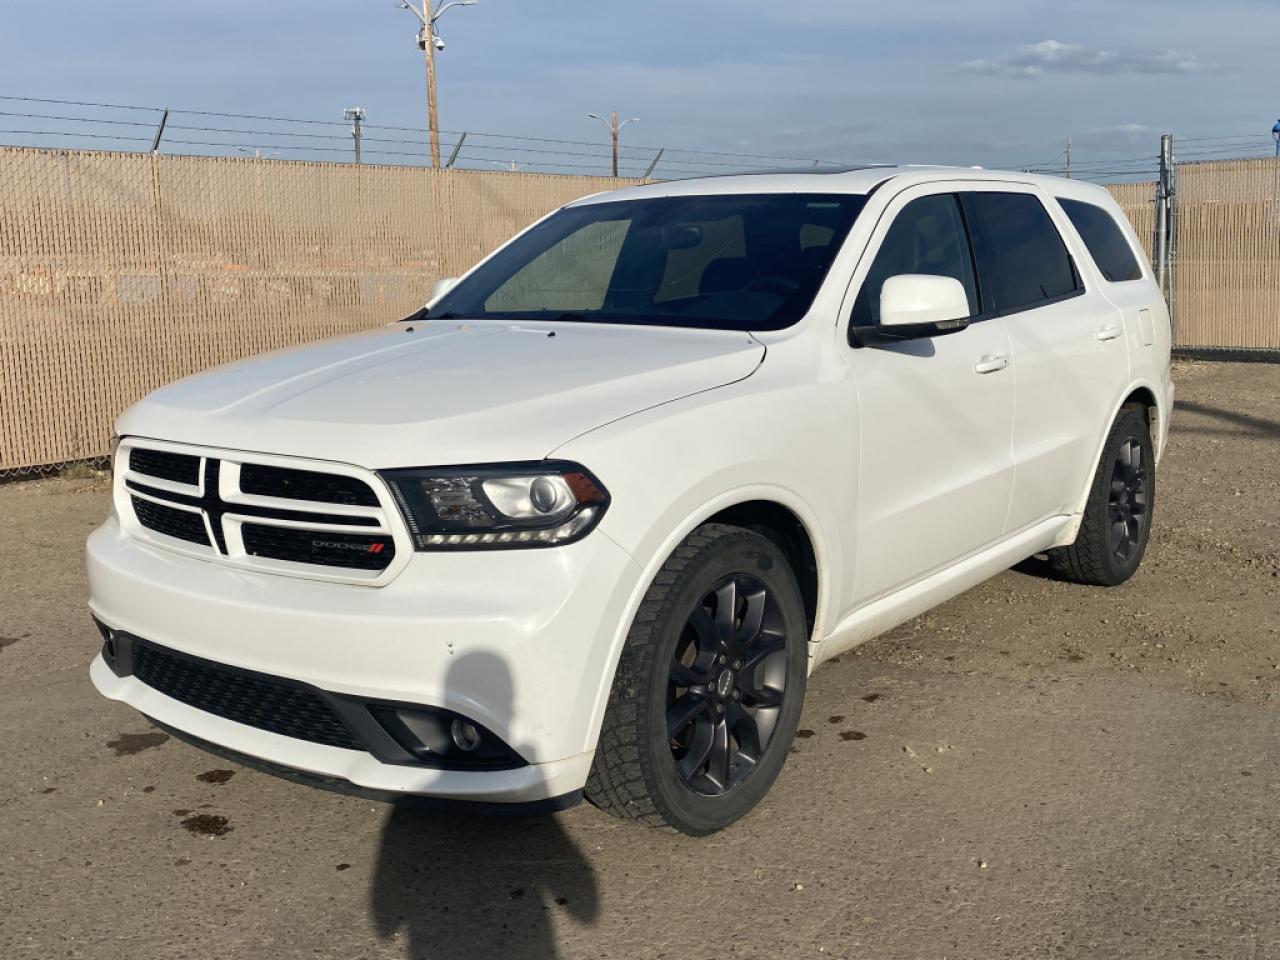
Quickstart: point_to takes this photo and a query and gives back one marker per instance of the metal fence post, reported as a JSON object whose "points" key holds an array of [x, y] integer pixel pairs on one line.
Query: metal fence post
{"points": [[457, 149], [653, 166], [1171, 243], [1164, 245], [164, 120]]}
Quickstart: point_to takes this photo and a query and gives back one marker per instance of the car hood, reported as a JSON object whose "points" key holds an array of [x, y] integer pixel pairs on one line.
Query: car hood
{"points": [[436, 393]]}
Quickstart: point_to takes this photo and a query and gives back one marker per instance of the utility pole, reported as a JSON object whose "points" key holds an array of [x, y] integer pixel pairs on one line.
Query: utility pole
{"points": [[433, 106], [614, 129], [356, 115], [429, 42], [1068, 158]]}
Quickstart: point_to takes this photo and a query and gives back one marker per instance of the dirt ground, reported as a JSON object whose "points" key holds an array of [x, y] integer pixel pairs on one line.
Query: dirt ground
{"points": [[1033, 770]]}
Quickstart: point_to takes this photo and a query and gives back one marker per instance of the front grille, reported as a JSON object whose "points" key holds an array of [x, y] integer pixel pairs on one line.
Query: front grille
{"points": [[323, 547], [255, 699], [181, 524], [282, 515], [290, 484], [177, 467]]}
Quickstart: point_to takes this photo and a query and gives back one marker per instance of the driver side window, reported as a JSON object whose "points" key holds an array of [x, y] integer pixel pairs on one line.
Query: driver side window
{"points": [[927, 236]]}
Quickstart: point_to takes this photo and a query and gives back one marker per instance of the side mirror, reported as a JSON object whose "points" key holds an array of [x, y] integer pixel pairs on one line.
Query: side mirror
{"points": [[440, 288], [915, 305]]}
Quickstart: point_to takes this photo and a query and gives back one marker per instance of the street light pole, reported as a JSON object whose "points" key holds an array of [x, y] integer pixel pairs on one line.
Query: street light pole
{"points": [[429, 42], [433, 107], [356, 115], [614, 129]]}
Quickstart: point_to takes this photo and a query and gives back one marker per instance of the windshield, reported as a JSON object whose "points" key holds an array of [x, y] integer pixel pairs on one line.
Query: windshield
{"points": [[727, 262]]}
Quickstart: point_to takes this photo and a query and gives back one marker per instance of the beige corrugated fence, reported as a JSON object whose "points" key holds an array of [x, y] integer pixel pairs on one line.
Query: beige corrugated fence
{"points": [[1228, 266], [121, 272], [1137, 200]]}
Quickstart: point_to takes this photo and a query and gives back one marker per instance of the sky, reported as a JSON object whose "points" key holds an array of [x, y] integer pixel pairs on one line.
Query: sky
{"points": [[966, 81]]}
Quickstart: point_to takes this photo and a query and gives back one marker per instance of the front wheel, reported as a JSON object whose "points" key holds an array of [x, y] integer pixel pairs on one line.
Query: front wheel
{"points": [[708, 691], [1117, 517]]}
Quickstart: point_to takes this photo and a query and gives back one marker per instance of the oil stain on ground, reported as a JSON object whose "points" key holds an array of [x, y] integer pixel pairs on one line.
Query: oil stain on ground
{"points": [[128, 744], [852, 735], [208, 825], [6, 641], [215, 776]]}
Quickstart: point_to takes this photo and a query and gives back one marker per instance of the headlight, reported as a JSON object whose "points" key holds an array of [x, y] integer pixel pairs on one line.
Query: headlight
{"points": [[541, 504]]}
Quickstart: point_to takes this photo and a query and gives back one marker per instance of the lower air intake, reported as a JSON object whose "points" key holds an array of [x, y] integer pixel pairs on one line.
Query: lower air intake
{"points": [[254, 699]]}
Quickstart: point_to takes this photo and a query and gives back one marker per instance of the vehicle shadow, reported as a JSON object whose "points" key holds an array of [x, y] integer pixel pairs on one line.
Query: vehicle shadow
{"points": [[1236, 423], [454, 885], [459, 887]]}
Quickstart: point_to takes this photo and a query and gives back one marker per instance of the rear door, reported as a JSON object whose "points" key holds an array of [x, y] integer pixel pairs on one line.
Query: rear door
{"points": [[1117, 261], [1069, 354], [936, 415]]}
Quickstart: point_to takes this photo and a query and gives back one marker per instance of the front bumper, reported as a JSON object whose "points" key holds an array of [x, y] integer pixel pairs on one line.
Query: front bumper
{"points": [[518, 641]]}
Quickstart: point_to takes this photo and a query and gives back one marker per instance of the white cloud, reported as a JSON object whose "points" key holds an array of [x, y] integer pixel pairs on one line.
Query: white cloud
{"points": [[1052, 56]]}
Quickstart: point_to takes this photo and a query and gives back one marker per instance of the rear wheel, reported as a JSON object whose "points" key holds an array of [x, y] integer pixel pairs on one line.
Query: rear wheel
{"points": [[707, 695], [1117, 518]]}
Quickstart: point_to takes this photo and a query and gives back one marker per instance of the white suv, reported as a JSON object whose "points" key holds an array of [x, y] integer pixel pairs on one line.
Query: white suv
{"points": [[586, 521]]}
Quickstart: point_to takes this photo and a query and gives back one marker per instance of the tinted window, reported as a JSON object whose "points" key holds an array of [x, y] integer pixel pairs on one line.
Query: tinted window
{"points": [[733, 262], [1025, 260], [927, 236], [1105, 240]]}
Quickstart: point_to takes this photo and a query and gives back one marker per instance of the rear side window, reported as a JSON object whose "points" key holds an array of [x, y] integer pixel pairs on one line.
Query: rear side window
{"points": [[1025, 263], [1104, 239]]}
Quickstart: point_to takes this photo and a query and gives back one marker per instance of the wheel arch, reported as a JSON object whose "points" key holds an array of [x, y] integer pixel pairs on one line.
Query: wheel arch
{"points": [[773, 511], [788, 532], [1141, 392], [1145, 397]]}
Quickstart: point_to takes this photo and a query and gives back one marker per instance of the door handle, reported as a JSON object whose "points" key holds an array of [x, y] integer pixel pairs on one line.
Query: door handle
{"points": [[991, 363], [1110, 333]]}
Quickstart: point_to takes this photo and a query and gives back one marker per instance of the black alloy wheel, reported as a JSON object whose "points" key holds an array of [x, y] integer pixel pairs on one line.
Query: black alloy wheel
{"points": [[1127, 501], [727, 683]]}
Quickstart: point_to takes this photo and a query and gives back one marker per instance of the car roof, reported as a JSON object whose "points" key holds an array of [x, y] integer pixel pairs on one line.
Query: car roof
{"points": [[859, 179]]}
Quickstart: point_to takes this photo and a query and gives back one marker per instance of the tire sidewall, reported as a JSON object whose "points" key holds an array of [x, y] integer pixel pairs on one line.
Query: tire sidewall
{"points": [[747, 553]]}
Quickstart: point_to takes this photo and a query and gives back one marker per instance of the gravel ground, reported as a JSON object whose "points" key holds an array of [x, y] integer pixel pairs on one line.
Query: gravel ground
{"points": [[1033, 770]]}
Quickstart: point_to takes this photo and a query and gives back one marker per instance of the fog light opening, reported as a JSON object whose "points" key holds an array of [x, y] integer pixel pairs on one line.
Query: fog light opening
{"points": [[465, 735]]}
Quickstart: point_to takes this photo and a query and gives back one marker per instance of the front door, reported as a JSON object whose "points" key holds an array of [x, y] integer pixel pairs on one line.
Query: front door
{"points": [[936, 415]]}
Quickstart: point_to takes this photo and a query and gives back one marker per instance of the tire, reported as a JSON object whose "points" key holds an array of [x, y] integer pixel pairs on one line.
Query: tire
{"points": [[678, 667], [1117, 517]]}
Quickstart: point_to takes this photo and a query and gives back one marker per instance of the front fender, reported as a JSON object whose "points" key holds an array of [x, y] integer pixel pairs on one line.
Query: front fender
{"points": [[665, 478]]}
